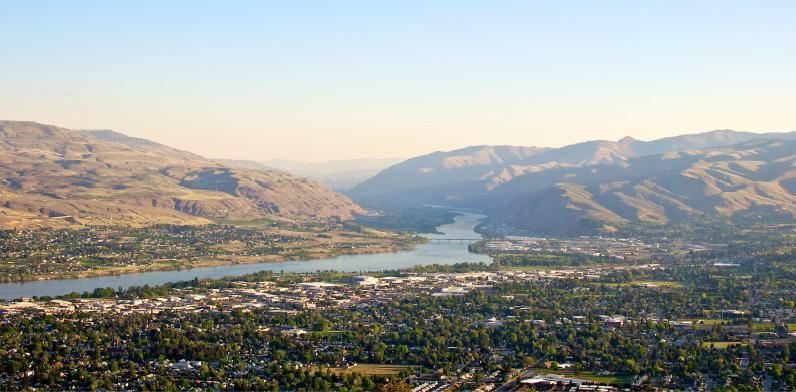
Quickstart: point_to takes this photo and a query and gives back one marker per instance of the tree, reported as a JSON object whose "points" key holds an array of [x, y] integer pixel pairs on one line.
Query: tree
{"points": [[395, 386]]}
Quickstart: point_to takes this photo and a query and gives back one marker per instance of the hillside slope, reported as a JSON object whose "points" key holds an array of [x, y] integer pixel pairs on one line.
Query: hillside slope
{"points": [[51, 176], [338, 175], [755, 179], [466, 177]]}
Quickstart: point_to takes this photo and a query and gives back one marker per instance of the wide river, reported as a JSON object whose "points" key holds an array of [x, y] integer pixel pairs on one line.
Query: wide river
{"points": [[424, 254]]}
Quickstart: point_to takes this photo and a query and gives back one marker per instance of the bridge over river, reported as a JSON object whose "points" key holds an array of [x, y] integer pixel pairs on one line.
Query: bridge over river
{"points": [[449, 240]]}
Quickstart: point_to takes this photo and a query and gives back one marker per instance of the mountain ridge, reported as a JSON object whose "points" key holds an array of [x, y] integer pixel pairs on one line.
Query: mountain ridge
{"points": [[54, 176], [755, 177], [471, 172], [557, 190], [339, 175]]}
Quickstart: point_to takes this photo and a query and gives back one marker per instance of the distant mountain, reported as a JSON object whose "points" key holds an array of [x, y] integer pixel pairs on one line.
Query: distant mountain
{"points": [[579, 188], [752, 179], [51, 176], [338, 175], [135, 142], [467, 177]]}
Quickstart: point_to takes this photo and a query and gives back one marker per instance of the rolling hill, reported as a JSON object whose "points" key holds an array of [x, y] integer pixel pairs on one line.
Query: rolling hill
{"points": [[339, 175], [578, 187], [51, 176], [753, 179], [467, 176]]}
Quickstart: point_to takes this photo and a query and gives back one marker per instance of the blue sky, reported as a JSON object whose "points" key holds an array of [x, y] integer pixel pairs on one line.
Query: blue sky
{"points": [[335, 80]]}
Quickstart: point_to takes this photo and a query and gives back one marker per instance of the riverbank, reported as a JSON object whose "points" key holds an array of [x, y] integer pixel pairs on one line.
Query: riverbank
{"points": [[420, 219], [401, 251], [218, 261]]}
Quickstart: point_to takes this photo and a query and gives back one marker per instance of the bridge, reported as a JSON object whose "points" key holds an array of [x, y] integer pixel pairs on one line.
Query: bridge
{"points": [[462, 240]]}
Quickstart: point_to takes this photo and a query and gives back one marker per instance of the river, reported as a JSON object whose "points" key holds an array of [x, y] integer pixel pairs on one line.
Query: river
{"points": [[424, 254]]}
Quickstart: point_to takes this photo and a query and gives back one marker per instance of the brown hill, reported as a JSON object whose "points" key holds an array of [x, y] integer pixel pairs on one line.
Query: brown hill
{"points": [[756, 179], [466, 177], [51, 176]]}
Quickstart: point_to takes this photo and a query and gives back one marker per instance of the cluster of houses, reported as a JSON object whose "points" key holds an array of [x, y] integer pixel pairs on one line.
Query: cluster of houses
{"points": [[285, 299], [554, 382], [597, 246]]}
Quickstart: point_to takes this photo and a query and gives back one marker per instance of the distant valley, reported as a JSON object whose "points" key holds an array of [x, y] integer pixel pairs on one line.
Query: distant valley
{"points": [[339, 175], [56, 177]]}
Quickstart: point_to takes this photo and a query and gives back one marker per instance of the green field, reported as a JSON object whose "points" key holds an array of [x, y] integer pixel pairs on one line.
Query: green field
{"points": [[658, 283], [535, 267], [325, 333], [707, 321], [371, 369], [762, 327], [615, 379], [721, 345]]}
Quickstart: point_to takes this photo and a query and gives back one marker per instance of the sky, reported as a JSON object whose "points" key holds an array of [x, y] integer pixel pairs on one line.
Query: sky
{"points": [[323, 80]]}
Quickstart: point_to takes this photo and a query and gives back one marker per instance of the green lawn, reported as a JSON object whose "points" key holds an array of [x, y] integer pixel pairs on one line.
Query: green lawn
{"points": [[708, 321], [762, 327], [658, 283], [325, 333], [721, 345], [371, 369], [535, 267], [714, 321]]}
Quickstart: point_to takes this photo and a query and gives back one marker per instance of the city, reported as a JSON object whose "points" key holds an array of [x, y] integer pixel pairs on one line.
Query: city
{"points": [[477, 330], [405, 196]]}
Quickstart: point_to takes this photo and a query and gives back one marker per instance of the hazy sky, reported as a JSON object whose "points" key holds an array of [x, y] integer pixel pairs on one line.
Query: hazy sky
{"points": [[324, 80]]}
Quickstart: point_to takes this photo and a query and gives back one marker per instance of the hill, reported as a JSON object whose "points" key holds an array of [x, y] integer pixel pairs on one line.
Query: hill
{"points": [[579, 187], [754, 180], [467, 176], [339, 175], [51, 176]]}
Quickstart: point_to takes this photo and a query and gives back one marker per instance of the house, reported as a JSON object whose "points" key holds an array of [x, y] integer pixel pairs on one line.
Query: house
{"points": [[363, 280], [615, 322], [290, 330]]}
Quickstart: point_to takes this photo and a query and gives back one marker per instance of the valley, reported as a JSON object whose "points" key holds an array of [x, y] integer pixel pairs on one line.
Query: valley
{"points": [[469, 326], [602, 187], [406, 196], [603, 266], [101, 251]]}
